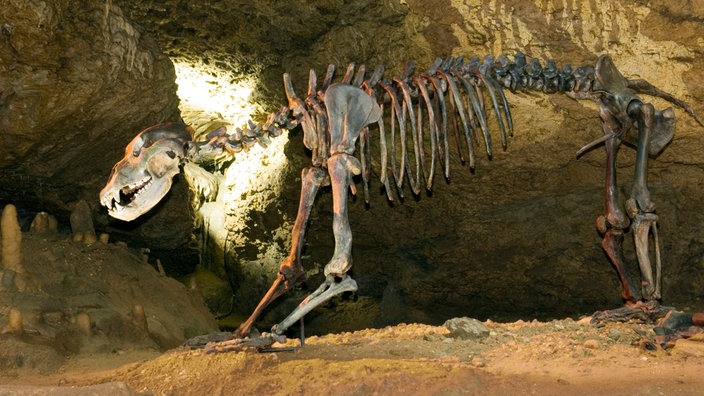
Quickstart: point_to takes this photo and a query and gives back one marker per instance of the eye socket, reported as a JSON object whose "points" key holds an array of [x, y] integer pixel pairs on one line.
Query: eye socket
{"points": [[162, 163]]}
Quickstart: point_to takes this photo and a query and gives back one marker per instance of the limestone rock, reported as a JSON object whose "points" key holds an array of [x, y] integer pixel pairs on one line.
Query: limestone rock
{"points": [[15, 323], [82, 223], [44, 223], [11, 241], [467, 328], [77, 82]]}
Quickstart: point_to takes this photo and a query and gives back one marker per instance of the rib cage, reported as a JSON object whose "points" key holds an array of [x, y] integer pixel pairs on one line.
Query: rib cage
{"points": [[450, 100]]}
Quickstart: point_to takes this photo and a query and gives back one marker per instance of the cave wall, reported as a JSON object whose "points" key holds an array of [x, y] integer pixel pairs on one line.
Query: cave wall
{"points": [[77, 82], [516, 238]]}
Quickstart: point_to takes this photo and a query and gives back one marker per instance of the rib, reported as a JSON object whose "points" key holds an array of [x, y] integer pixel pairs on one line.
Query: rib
{"points": [[329, 74], [459, 108], [444, 152], [481, 117], [384, 157], [359, 77], [349, 73], [363, 158], [432, 126], [395, 116], [312, 83], [418, 144], [490, 88], [376, 76]]}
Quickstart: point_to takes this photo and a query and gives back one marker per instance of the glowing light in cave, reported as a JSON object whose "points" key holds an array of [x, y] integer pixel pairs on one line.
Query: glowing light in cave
{"points": [[209, 93], [211, 97]]}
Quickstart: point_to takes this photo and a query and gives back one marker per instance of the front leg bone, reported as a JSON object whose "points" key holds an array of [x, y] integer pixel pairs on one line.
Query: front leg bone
{"points": [[613, 223], [644, 114], [349, 110], [612, 244], [640, 207], [323, 293], [643, 224], [342, 167], [290, 270]]}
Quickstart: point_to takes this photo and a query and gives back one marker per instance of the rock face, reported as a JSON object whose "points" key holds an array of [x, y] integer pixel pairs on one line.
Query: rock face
{"points": [[515, 239], [90, 300], [77, 82]]}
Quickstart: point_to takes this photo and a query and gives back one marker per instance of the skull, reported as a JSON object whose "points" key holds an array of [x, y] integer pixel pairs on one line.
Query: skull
{"points": [[143, 177]]}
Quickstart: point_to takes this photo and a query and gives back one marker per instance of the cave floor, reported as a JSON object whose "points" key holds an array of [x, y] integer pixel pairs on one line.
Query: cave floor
{"points": [[546, 358]]}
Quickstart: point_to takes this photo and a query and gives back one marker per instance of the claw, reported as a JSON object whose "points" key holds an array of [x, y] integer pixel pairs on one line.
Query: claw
{"points": [[262, 343], [648, 312]]}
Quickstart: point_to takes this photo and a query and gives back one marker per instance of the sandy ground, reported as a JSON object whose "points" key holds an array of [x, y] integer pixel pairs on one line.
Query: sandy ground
{"points": [[554, 358], [546, 358]]}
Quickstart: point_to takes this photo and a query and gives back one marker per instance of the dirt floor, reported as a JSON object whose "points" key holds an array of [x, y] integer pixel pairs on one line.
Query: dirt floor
{"points": [[555, 358], [54, 357]]}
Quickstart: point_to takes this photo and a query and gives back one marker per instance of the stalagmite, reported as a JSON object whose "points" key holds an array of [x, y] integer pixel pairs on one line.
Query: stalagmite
{"points": [[11, 241], [82, 224], [83, 323], [44, 223], [14, 323], [139, 319]]}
